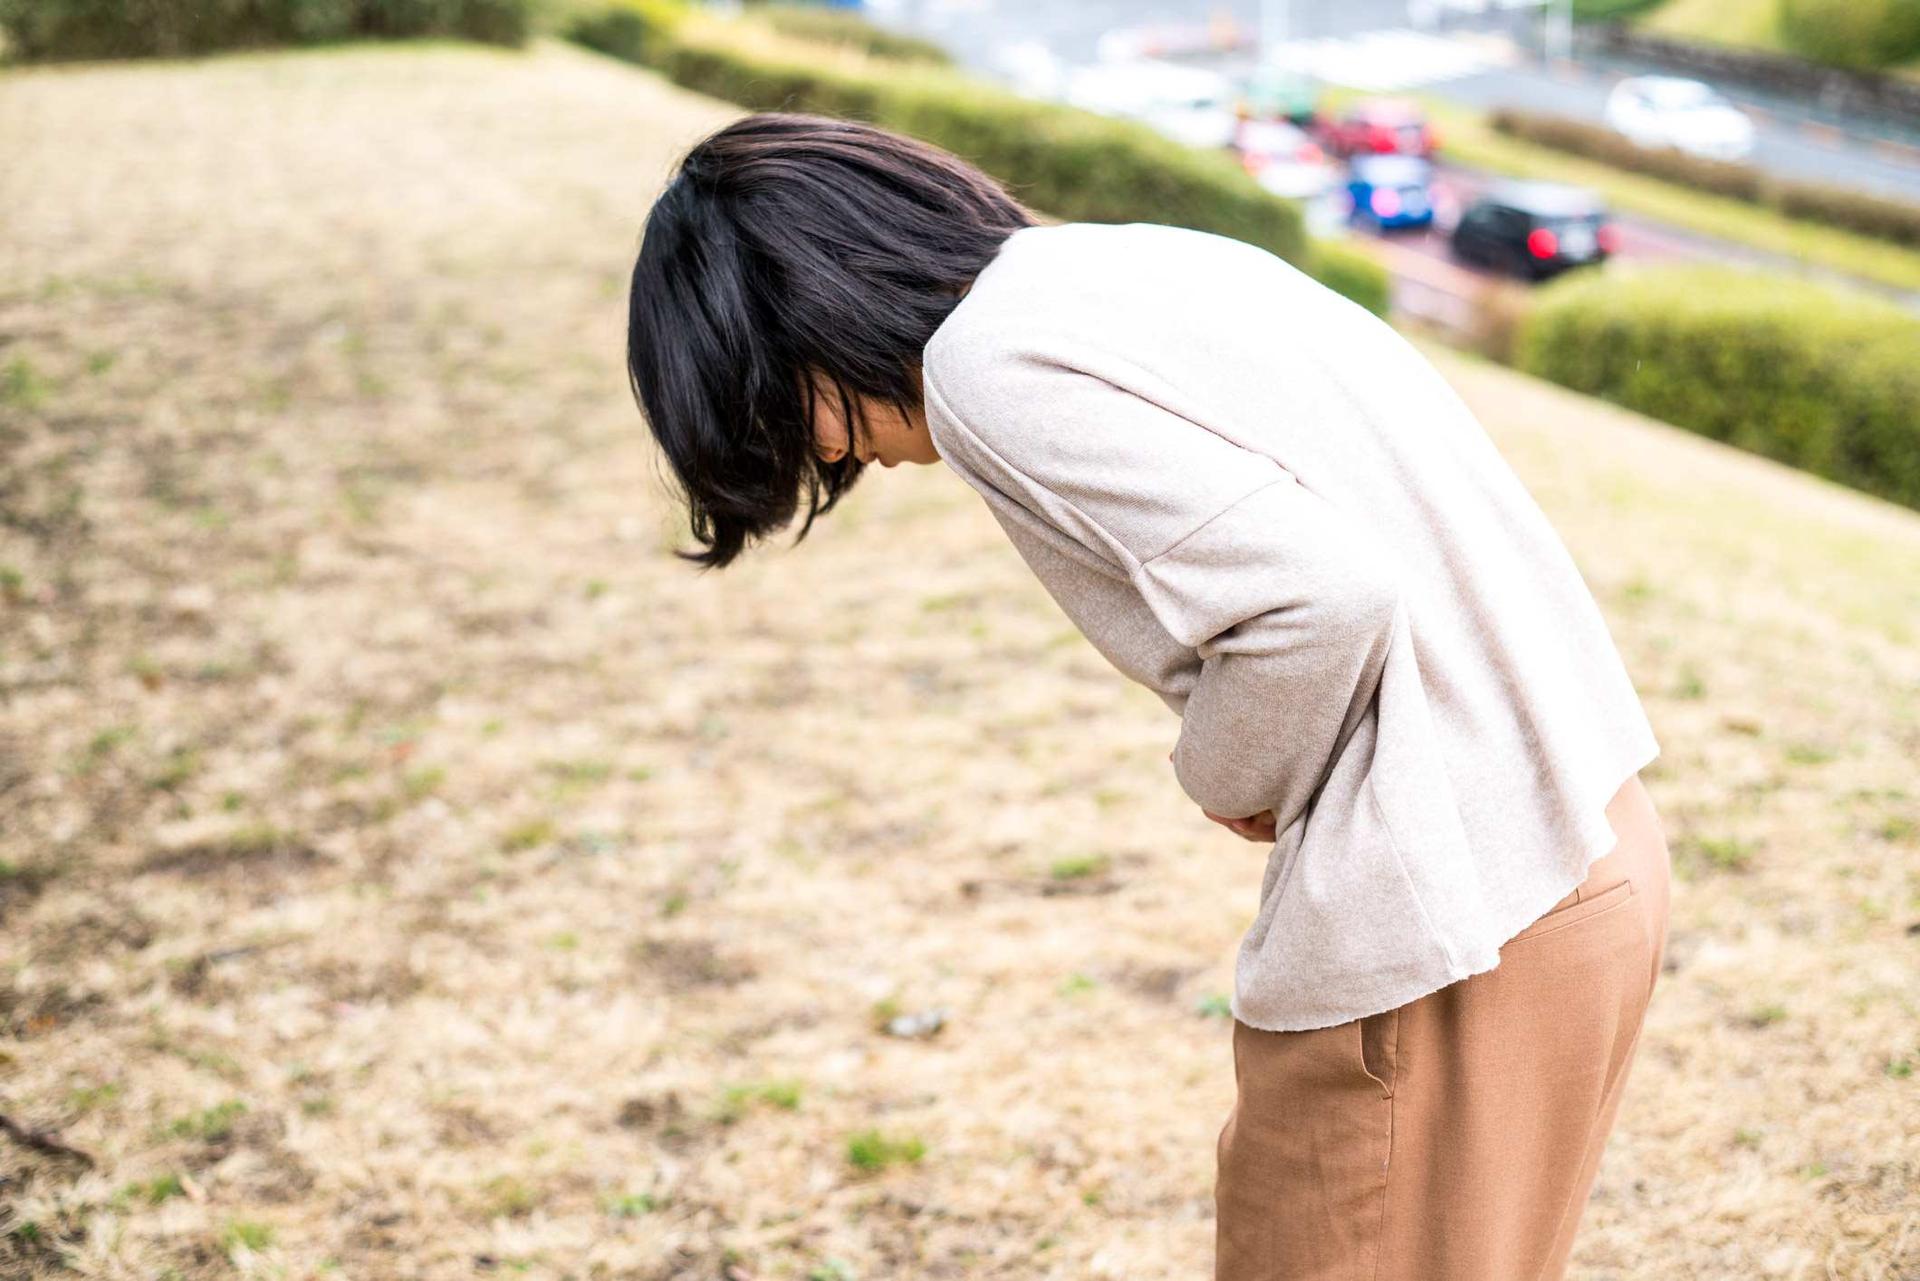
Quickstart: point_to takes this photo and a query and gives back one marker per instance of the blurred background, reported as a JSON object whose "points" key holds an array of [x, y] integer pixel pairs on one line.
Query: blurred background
{"points": [[408, 868]]}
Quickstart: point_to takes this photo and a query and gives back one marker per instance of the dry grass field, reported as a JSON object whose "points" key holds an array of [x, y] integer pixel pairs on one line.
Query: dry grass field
{"points": [[409, 869]]}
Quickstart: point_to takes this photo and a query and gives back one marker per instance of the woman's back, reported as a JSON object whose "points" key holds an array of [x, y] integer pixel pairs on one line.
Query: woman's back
{"points": [[1477, 758]]}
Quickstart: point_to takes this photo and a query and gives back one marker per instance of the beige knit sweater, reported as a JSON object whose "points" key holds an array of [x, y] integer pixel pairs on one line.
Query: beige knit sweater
{"points": [[1258, 500]]}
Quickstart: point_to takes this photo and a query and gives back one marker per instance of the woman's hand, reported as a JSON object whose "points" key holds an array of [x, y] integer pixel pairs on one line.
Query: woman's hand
{"points": [[1257, 827]]}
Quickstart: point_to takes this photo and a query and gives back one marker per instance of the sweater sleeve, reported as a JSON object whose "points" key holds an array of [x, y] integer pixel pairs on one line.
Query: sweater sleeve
{"points": [[1286, 602]]}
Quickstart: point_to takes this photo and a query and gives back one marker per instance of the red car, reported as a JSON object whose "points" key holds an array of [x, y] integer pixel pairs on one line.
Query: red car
{"points": [[1381, 126]]}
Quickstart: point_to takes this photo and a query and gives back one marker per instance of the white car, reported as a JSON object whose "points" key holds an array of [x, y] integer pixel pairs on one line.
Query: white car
{"points": [[1670, 111], [1187, 104], [1283, 159]]}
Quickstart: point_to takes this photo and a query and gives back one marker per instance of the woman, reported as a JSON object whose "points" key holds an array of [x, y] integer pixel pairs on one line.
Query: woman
{"points": [[1256, 499]]}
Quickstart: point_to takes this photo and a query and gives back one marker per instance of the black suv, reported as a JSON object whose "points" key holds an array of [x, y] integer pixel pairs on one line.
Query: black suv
{"points": [[1535, 229]]}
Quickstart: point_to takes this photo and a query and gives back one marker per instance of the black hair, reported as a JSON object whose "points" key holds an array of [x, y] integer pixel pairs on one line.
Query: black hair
{"points": [[787, 246]]}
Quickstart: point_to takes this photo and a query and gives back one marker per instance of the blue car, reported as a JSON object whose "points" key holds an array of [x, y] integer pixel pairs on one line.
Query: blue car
{"points": [[1390, 192]]}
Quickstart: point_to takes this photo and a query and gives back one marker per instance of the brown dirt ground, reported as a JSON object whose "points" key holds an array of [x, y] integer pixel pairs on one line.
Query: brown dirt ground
{"points": [[411, 870]]}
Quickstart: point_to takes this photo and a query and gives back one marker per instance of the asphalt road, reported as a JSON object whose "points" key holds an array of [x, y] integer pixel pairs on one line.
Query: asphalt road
{"points": [[1795, 139], [1787, 141], [1431, 283]]}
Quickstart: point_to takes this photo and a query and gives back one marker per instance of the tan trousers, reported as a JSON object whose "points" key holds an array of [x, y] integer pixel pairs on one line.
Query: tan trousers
{"points": [[1457, 1137]]}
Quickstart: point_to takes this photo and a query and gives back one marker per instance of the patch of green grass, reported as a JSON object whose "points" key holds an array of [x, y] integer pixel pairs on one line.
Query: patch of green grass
{"points": [[211, 1125], [831, 1270], [152, 1191], [872, 1150], [1080, 867], [362, 497], [102, 746], [506, 1197], [88, 1097], [1216, 1006], [245, 1232], [630, 1205], [1766, 1015], [527, 835], [1077, 984], [1689, 683], [423, 782], [736, 1099], [1900, 1069], [1713, 853], [884, 1011], [1638, 590], [1809, 753], [21, 385], [254, 839], [181, 765], [573, 776]]}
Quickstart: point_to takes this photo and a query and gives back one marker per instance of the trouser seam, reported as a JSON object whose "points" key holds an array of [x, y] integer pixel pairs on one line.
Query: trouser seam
{"points": [[1386, 1187], [1386, 1176]]}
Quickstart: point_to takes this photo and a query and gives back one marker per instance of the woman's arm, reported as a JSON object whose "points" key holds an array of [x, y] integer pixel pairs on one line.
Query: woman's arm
{"points": [[1287, 602]]}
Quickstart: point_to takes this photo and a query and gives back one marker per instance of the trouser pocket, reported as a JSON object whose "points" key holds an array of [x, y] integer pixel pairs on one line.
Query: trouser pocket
{"points": [[1614, 896], [1379, 1044]]}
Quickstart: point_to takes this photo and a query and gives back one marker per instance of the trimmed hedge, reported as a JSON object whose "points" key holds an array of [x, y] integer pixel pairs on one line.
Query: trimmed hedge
{"points": [[1843, 207], [1076, 165], [1821, 380], [41, 30], [1862, 34], [1349, 271], [842, 27], [639, 31], [1610, 10]]}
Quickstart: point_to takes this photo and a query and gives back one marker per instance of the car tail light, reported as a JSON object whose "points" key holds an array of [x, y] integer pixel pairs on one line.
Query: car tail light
{"points": [[1385, 202], [1542, 243], [1607, 236], [1381, 138]]}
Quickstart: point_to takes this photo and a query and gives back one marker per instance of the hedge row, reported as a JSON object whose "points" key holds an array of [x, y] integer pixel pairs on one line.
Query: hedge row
{"points": [[1076, 165], [1843, 207], [1610, 10], [1862, 34], [38, 30], [842, 27], [1824, 381]]}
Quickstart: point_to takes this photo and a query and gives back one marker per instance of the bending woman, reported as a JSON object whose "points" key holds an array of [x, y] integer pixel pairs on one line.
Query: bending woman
{"points": [[1255, 498]]}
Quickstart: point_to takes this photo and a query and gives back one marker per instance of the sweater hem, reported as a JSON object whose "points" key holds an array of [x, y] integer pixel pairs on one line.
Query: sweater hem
{"points": [[1599, 840]]}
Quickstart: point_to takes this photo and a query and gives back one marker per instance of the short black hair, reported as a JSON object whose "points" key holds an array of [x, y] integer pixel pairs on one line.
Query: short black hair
{"points": [[788, 245]]}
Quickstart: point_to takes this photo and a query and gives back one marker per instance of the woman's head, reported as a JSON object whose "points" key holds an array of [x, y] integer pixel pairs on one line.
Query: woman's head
{"points": [[789, 277]]}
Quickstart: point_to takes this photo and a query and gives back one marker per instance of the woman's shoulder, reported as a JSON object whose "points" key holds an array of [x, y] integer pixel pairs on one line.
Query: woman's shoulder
{"points": [[1094, 280]]}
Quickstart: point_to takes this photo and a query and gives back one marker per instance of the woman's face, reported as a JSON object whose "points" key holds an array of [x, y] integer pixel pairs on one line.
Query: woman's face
{"points": [[894, 439]]}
